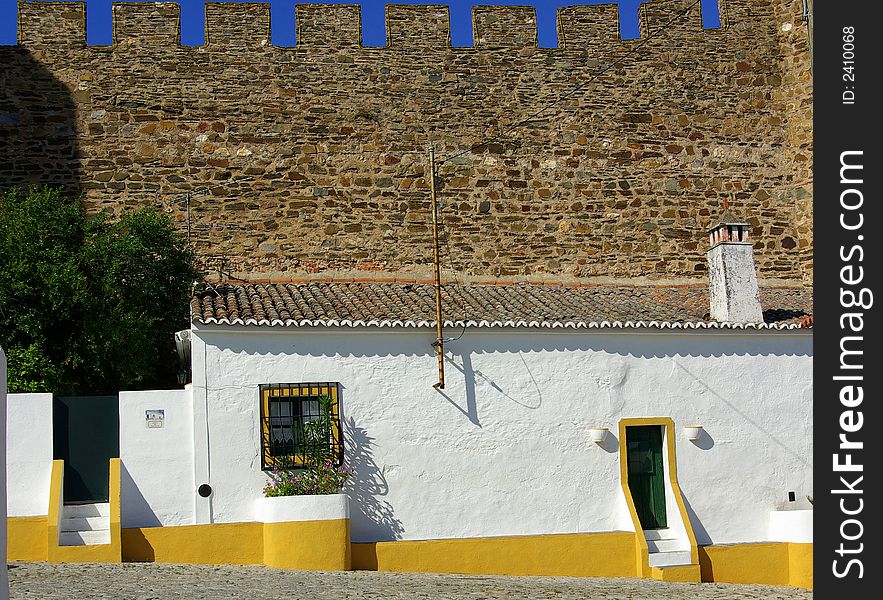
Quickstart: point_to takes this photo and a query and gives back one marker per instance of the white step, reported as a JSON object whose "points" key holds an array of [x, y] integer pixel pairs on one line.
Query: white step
{"points": [[669, 559], [659, 534], [84, 538], [87, 510], [85, 523], [664, 545]]}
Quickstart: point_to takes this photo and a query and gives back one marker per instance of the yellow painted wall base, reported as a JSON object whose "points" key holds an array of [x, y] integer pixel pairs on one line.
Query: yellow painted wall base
{"points": [[308, 545], [218, 544], [101, 553], [26, 538], [772, 563], [681, 574], [364, 556], [577, 555], [800, 565], [323, 545], [111, 552]]}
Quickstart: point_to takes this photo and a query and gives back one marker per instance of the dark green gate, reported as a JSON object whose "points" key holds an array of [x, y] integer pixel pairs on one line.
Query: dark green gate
{"points": [[647, 474], [86, 435]]}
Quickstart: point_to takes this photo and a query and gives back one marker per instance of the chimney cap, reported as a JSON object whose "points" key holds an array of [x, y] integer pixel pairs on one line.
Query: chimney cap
{"points": [[727, 218]]}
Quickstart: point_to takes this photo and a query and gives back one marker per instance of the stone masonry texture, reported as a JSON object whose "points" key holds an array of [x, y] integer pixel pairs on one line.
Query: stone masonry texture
{"points": [[607, 157]]}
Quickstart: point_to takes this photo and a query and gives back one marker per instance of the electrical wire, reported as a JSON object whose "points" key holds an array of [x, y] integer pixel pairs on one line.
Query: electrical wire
{"points": [[503, 136], [447, 238]]}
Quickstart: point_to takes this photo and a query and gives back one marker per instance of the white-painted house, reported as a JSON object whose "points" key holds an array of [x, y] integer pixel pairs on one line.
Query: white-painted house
{"points": [[507, 469], [4, 576]]}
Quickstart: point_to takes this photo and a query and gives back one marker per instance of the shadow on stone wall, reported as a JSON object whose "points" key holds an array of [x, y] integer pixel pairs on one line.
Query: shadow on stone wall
{"points": [[38, 131]]}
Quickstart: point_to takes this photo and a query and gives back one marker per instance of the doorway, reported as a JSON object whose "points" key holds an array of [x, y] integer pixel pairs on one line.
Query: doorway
{"points": [[646, 474], [86, 432]]}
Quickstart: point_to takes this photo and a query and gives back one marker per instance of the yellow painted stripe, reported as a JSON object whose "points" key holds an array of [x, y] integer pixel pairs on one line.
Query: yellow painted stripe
{"points": [[308, 545], [680, 573], [322, 545], [800, 567], [56, 484], [26, 538], [111, 552], [642, 566], [220, 544], [364, 556], [578, 555], [114, 500], [101, 553], [771, 563]]}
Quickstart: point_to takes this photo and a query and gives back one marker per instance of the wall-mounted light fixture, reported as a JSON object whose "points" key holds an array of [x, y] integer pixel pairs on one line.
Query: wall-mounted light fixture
{"points": [[693, 432], [598, 434]]}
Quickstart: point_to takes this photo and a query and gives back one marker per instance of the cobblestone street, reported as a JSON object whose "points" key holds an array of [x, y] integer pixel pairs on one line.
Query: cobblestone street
{"points": [[149, 581]]}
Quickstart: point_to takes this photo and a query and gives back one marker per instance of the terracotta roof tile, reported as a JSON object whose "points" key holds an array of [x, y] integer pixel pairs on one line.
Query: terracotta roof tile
{"points": [[361, 302]]}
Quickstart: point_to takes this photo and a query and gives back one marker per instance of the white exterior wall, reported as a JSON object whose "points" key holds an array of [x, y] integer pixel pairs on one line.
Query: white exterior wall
{"points": [[504, 449], [791, 526], [29, 453], [674, 520], [156, 474], [4, 577]]}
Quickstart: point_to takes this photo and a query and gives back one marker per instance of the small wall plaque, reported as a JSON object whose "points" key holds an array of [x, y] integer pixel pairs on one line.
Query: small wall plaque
{"points": [[155, 418]]}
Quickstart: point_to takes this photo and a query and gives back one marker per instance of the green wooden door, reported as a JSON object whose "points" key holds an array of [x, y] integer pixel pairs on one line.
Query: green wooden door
{"points": [[86, 436], [646, 474]]}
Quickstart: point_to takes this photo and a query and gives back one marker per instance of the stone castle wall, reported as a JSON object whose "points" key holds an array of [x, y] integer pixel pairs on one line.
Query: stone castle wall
{"points": [[314, 158]]}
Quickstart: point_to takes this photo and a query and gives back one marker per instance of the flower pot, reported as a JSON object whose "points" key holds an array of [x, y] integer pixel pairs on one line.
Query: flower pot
{"points": [[282, 509], [693, 432], [598, 434], [306, 532], [791, 526]]}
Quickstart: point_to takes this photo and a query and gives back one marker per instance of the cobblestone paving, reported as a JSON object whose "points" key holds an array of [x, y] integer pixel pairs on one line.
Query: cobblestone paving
{"points": [[138, 581]]}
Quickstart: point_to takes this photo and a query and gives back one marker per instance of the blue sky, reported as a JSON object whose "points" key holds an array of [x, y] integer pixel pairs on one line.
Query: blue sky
{"points": [[99, 27]]}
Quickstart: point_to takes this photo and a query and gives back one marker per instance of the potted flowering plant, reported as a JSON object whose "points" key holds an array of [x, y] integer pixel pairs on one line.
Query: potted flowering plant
{"points": [[308, 488], [315, 479]]}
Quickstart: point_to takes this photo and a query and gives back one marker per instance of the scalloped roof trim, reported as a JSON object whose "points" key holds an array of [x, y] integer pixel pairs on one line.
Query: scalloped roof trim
{"points": [[499, 324]]}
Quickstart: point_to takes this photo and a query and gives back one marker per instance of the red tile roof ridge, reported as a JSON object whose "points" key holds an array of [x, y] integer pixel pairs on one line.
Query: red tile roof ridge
{"points": [[407, 280], [564, 303]]}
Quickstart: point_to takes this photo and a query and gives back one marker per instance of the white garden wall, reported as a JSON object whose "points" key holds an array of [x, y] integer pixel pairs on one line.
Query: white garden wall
{"points": [[504, 449], [4, 576], [28, 454], [156, 474]]}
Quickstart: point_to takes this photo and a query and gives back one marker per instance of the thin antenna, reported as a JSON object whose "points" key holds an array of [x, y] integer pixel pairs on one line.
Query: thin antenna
{"points": [[187, 204], [439, 341]]}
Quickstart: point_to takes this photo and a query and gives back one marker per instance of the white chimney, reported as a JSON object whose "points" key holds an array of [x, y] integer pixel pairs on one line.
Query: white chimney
{"points": [[732, 278]]}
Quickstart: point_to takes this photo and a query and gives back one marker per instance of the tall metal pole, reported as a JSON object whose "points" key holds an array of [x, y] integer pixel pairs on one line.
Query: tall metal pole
{"points": [[187, 201], [807, 18], [439, 343]]}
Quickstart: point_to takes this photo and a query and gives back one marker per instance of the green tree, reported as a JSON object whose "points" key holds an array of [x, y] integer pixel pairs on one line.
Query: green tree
{"points": [[89, 306]]}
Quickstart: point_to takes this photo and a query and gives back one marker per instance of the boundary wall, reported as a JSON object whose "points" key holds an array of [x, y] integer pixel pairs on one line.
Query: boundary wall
{"points": [[597, 158]]}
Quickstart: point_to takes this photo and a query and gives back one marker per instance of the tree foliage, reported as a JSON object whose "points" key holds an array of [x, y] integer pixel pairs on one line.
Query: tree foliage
{"points": [[87, 305]]}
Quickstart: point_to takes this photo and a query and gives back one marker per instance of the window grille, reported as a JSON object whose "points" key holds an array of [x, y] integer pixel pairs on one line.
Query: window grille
{"points": [[291, 425]]}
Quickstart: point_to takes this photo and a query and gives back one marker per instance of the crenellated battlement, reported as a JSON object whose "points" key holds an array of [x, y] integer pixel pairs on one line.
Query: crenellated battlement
{"points": [[588, 26], [55, 23], [332, 27], [143, 24], [599, 157], [239, 26], [418, 26], [513, 27], [244, 25]]}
